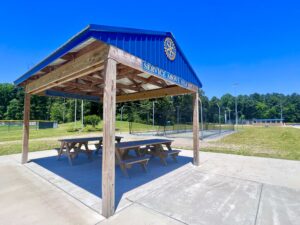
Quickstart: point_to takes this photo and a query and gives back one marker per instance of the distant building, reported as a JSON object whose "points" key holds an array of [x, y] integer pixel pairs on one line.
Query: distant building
{"points": [[267, 122]]}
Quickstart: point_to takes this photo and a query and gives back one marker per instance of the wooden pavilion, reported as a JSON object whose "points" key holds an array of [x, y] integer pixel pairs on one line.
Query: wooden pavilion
{"points": [[112, 65]]}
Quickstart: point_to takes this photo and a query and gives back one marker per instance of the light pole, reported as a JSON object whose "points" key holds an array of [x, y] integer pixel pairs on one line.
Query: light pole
{"points": [[219, 117], [201, 114], [241, 117], [281, 113], [64, 110], [236, 108], [153, 113], [177, 114], [75, 113], [82, 113], [236, 112], [122, 108]]}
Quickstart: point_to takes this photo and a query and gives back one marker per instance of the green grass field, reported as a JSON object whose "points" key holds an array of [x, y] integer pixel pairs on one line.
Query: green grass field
{"points": [[10, 140], [275, 142], [16, 133]]}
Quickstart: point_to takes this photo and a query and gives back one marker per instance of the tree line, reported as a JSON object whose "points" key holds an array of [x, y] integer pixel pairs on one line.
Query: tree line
{"points": [[171, 110]]}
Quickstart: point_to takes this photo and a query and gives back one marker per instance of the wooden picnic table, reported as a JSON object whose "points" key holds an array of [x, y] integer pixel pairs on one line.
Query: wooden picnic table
{"points": [[153, 147], [71, 147]]}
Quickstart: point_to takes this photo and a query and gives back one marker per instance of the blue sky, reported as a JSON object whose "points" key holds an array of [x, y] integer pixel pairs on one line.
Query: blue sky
{"points": [[253, 43]]}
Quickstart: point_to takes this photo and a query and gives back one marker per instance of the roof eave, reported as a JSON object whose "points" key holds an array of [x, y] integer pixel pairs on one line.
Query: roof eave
{"points": [[178, 46], [71, 43], [85, 34]]}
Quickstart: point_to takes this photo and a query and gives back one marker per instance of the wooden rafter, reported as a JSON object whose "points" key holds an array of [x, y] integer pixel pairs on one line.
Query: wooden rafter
{"points": [[138, 85], [78, 92], [73, 55], [84, 87], [95, 81], [158, 93], [83, 65], [129, 87]]}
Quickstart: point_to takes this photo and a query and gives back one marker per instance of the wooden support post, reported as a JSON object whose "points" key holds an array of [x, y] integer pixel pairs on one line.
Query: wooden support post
{"points": [[196, 135], [26, 119], [108, 164]]}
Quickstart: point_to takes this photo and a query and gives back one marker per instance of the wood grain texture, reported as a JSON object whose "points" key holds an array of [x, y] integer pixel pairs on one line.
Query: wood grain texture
{"points": [[108, 164], [196, 159], [26, 119], [158, 93], [83, 65]]}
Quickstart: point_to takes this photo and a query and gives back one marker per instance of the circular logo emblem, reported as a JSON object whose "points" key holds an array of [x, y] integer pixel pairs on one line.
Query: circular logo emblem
{"points": [[170, 48]]}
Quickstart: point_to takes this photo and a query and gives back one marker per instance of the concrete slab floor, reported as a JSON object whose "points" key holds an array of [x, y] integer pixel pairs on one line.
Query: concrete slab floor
{"points": [[137, 214], [27, 199], [279, 205], [200, 198], [215, 199], [225, 189]]}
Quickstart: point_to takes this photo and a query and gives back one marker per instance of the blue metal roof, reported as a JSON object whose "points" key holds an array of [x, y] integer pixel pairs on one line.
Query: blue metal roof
{"points": [[145, 44]]}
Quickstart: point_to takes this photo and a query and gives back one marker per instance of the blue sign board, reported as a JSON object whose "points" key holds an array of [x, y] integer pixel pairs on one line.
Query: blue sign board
{"points": [[147, 67]]}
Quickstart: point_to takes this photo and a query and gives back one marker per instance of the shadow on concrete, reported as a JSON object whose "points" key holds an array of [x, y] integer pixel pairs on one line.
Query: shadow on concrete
{"points": [[87, 174]]}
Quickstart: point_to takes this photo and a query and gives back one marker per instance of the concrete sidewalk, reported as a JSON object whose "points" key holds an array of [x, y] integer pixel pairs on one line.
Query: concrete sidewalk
{"points": [[225, 189], [27, 199]]}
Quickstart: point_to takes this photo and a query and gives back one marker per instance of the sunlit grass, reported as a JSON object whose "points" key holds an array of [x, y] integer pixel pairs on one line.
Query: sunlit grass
{"points": [[275, 142], [11, 139]]}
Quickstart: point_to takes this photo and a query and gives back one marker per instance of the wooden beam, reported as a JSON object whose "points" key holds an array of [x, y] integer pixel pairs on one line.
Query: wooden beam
{"points": [[77, 92], [108, 161], [73, 55], [83, 65], [158, 93], [129, 87], [134, 62], [138, 85], [125, 58], [150, 80], [196, 135], [26, 119], [158, 82], [95, 81], [84, 87]]}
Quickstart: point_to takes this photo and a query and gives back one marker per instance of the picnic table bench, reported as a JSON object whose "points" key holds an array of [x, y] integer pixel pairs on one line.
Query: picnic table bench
{"points": [[71, 147], [143, 148]]}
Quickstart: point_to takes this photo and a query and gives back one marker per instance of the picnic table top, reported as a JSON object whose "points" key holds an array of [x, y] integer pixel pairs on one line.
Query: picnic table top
{"points": [[133, 144], [85, 139]]}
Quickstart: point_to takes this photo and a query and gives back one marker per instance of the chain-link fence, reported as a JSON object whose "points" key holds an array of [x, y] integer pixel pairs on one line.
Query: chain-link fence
{"points": [[174, 121], [183, 130], [7, 126]]}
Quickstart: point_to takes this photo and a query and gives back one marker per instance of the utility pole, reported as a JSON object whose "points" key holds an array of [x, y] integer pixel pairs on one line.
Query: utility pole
{"points": [[64, 110], [82, 114], [153, 112], [281, 113], [225, 117], [122, 112], [236, 108], [177, 114], [201, 114], [75, 112], [219, 117], [236, 112]]}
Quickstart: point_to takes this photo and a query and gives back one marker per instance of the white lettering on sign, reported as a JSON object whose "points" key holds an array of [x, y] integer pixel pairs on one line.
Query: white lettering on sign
{"points": [[147, 67]]}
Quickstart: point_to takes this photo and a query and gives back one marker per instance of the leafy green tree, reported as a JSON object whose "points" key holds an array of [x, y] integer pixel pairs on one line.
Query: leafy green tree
{"points": [[14, 110], [56, 112], [7, 93], [93, 120]]}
